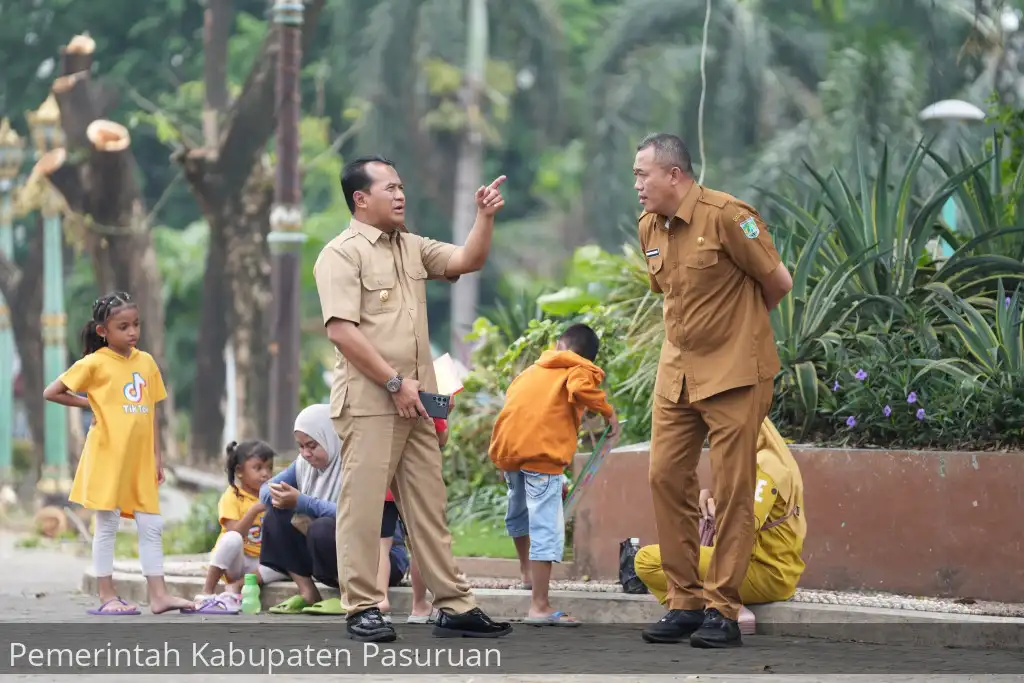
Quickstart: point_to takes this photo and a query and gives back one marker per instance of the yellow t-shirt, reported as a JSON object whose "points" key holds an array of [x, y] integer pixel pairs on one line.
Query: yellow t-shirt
{"points": [[118, 466], [778, 490], [232, 507]]}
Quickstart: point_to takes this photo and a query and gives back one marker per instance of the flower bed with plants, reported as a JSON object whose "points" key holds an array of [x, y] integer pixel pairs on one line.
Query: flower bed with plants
{"points": [[883, 343]]}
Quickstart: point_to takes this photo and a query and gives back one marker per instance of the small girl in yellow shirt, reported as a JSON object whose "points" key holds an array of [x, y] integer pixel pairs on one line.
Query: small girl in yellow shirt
{"points": [[120, 469], [240, 512]]}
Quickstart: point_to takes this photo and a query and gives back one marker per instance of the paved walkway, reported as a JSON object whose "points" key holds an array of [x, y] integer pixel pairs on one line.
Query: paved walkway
{"points": [[39, 594]]}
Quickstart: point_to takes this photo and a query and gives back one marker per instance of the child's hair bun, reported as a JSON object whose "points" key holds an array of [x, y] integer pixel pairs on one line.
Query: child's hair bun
{"points": [[231, 448]]}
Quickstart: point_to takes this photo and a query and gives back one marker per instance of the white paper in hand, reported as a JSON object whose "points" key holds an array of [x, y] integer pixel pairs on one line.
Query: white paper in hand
{"points": [[449, 375]]}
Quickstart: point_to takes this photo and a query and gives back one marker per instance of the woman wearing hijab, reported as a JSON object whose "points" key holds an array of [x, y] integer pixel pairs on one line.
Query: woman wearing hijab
{"points": [[307, 492]]}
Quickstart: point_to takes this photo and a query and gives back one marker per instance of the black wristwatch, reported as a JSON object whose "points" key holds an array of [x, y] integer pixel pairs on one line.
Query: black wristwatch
{"points": [[394, 384]]}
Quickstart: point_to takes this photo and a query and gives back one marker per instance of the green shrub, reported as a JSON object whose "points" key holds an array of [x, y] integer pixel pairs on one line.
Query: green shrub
{"points": [[199, 531], [24, 456]]}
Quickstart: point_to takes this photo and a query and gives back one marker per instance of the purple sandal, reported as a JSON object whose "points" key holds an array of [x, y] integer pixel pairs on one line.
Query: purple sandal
{"points": [[213, 605], [101, 611]]}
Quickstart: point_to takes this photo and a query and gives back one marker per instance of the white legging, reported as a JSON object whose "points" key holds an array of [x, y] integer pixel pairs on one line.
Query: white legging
{"points": [[151, 549]]}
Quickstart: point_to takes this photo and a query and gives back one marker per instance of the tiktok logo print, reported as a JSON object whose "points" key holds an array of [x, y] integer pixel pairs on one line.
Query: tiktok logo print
{"points": [[133, 392]]}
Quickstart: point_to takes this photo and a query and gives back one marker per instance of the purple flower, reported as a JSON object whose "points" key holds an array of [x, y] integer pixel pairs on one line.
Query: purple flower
{"points": [[835, 387], [851, 421], [912, 397], [920, 413], [887, 411], [861, 375], [1007, 302]]}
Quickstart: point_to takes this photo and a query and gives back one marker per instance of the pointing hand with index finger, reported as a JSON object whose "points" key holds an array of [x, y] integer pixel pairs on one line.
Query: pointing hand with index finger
{"points": [[489, 199]]}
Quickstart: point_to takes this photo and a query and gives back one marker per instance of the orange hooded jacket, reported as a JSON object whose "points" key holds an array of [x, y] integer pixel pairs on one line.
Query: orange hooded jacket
{"points": [[538, 429]]}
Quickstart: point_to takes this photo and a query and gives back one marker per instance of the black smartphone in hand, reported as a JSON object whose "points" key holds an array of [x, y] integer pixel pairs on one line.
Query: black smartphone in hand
{"points": [[437, 405]]}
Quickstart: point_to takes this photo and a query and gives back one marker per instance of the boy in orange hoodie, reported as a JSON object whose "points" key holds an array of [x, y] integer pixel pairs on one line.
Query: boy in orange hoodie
{"points": [[534, 440]]}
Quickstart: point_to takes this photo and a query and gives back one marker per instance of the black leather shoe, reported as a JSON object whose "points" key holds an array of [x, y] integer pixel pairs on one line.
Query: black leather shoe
{"points": [[717, 631], [471, 624], [674, 627], [369, 626]]}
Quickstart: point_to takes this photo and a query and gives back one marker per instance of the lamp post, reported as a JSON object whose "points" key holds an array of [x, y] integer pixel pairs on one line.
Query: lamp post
{"points": [[286, 236], [48, 136], [12, 155], [950, 112]]}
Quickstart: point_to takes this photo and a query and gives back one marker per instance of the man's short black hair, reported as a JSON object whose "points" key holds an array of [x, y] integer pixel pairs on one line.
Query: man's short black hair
{"points": [[669, 151], [582, 340], [354, 177]]}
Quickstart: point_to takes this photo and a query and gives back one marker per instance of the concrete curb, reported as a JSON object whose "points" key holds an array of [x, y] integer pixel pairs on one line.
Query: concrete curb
{"points": [[805, 620]]}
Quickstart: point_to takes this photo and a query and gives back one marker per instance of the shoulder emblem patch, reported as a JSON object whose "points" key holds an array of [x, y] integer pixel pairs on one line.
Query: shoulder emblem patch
{"points": [[651, 253], [749, 227]]}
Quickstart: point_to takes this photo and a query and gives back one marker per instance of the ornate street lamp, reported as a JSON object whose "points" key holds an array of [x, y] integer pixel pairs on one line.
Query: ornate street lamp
{"points": [[12, 156], [44, 124], [48, 138]]}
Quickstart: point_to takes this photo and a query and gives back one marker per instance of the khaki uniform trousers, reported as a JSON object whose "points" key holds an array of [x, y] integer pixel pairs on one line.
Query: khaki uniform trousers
{"points": [[731, 421], [388, 450]]}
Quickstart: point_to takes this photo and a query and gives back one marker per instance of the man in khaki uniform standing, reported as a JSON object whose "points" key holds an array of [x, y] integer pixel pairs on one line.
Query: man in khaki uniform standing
{"points": [[711, 256], [372, 285]]}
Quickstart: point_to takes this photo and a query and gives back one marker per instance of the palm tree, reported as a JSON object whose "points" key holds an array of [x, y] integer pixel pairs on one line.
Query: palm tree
{"points": [[786, 81]]}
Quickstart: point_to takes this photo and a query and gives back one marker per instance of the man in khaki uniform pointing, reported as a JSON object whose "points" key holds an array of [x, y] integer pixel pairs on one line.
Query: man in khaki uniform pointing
{"points": [[372, 285], [711, 256]]}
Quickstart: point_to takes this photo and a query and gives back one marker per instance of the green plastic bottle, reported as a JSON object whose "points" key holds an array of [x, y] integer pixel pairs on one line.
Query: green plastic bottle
{"points": [[251, 595]]}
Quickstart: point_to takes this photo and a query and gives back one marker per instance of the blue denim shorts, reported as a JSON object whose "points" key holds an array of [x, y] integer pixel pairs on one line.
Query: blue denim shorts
{"points": [[535, 510]]}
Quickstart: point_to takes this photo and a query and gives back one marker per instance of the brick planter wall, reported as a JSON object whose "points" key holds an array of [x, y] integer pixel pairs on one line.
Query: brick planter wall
{"points": [[943, 524]]}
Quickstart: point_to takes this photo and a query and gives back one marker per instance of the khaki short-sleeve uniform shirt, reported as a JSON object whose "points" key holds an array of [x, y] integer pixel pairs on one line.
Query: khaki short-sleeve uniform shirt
{"points": [[378, 281], [708, 260]]}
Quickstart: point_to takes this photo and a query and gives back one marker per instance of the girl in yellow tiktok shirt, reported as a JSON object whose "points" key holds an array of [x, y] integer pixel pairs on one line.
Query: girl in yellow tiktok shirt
{"points": [[120, 468]]}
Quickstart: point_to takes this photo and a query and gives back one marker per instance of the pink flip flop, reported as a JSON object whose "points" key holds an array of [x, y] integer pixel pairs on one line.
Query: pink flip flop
{"points": [[101, 611]]}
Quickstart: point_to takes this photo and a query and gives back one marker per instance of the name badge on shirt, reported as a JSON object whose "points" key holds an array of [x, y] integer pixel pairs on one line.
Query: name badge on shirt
{"points": [[651, 253]]}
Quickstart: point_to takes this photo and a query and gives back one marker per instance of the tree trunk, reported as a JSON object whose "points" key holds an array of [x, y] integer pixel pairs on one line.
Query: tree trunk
{"points": [[249, 265], [208, 387], [468, 177], [102, 193], [23, 290], [207, 423], [234, 193]]}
